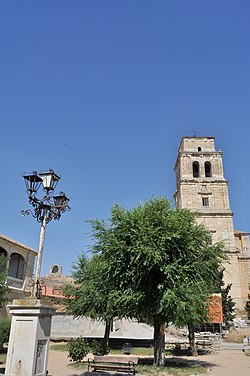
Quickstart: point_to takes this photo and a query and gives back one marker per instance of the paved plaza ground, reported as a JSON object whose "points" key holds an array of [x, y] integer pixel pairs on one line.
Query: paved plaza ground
{"points": [[229, 361], [226, 362], [221, 363]]}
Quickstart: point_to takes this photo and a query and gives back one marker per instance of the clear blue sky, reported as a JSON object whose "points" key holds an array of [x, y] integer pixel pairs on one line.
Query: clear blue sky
{"points": [[103, 91]]}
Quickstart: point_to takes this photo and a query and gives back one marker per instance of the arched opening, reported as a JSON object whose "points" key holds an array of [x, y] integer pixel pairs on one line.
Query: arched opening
{"points": [[199, 148], [196, 169], [208, 170], [3, 259], [55, 269], [16, 267]]}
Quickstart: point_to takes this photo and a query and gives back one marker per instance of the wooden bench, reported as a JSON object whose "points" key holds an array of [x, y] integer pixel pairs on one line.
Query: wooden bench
{"points": [[113, 363], [204, 343]]}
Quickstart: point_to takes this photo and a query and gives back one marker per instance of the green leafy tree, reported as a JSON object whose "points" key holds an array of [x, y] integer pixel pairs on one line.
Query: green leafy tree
{"points": [[4, 331], [156, 265], [247, 307], [3, 287], [228, 305], [89, 296]]}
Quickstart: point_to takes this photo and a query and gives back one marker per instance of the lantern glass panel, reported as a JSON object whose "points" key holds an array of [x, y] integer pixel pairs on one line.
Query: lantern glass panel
{"points": [[32, 182], [50, 180], [61, 200]]}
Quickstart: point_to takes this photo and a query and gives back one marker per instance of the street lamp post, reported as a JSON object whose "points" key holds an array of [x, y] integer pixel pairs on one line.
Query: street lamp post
{"points": [[31, 317], [45, 209]]}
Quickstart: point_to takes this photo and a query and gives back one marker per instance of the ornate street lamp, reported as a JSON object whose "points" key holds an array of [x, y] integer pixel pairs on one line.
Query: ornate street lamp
{"points": [[44, 210]]}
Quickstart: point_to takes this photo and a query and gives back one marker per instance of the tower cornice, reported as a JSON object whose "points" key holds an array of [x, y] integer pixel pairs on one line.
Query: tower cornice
{"points": [[203, 181]]}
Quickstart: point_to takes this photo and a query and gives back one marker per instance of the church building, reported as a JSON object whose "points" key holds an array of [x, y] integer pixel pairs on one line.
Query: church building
{"points": [[202, 187]]}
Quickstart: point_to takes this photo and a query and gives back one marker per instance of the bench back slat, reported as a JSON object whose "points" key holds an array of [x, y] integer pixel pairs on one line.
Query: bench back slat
{"points": [[115, 359]]}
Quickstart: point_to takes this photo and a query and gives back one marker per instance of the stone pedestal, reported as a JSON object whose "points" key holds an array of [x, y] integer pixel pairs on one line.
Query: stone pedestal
{"points": [[29, 337]]}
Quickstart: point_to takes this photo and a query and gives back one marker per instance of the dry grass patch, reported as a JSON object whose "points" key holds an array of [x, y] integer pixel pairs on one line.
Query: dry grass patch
{"points": [[237, 335], [59, 347], [174, 369]]}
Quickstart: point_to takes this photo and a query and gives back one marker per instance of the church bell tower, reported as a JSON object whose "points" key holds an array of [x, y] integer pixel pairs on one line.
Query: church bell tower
{"points": [[202, 187]]}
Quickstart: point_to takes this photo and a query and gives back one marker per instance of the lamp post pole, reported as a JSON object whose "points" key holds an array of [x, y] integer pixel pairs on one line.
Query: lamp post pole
{"points": [[36, 291]]}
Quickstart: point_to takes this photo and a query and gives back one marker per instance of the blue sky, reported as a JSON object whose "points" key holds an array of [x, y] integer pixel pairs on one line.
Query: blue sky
{"points": [[102, 92]]}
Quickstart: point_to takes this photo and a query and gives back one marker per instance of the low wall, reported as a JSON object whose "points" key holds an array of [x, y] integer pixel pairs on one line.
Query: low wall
{"points": [[64, 327]]}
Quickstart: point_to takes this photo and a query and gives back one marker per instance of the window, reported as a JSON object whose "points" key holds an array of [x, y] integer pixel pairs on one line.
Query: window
{"points": [[55, 269], [16, 268], [208, 173], [199, 148], [196, 172], [205, 201]]}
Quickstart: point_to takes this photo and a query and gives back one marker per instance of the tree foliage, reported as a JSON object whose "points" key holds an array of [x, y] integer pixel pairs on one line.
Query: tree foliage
{"points": [[91, 292], [247, 307], [3, 287], [90, 296], [228, 305], [5, 324], [151, 262]]}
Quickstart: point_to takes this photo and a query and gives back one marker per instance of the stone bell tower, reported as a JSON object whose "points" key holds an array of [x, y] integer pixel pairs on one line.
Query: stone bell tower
{"points": [[202, 187]]}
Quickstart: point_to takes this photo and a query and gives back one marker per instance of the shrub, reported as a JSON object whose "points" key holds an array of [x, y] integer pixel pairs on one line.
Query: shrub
{"points": [[4, 331], [78, 348], [98, 348]]}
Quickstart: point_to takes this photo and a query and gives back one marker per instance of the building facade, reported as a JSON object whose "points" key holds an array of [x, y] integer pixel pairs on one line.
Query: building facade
{"points": [[20, 261], [202, 187], [53, 285]]}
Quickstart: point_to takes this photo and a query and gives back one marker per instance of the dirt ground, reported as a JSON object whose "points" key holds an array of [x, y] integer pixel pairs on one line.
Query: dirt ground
{"points": [[221, 363]]}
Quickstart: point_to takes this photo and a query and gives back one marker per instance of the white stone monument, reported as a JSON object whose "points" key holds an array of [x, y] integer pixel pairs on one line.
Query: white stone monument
{"points": [[29, 337]]}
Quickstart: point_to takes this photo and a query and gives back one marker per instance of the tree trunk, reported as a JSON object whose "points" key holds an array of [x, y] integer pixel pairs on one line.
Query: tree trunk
{"points": [[192, 344], [107, 333], [159, 342]]}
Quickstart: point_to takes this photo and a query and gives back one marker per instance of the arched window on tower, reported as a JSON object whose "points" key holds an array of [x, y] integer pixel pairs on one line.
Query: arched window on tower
{"points": [[55, 269], [208, 170], [16, 268], [196, 169], [3, 255]]}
